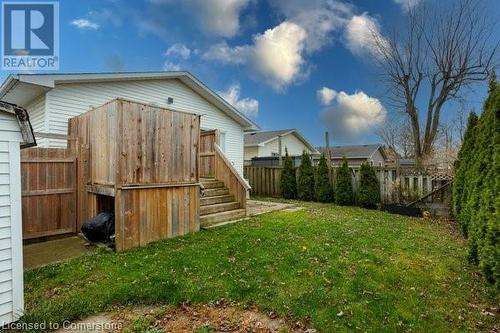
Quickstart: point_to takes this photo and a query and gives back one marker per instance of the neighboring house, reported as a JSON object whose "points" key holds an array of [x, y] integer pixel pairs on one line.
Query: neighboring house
{"points": [[357, 154], [404, 163], [15, 133], [52, 99], [266, 144]]}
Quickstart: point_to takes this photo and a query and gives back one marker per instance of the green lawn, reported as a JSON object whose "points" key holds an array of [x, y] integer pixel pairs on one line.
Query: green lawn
{"points": [[382, 272]]}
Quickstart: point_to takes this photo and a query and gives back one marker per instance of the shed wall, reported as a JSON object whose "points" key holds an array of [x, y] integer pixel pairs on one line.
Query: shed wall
{"points": [[145, 157]]}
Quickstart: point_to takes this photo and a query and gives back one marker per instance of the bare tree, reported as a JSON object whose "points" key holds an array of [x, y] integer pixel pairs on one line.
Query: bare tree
{"points": [[398, 136], [461, 123], [440, 54]]}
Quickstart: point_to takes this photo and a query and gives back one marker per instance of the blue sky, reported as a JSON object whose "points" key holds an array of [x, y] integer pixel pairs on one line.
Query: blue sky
{"points": [[269, 58]]}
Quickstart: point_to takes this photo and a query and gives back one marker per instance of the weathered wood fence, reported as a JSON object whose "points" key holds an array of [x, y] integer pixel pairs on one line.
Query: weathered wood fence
{"points": [[48, 178], [265, 181]]}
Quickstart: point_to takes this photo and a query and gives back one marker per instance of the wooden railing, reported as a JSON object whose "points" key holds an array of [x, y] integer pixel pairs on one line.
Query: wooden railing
{"points": [[207, 153], [225, 171]]}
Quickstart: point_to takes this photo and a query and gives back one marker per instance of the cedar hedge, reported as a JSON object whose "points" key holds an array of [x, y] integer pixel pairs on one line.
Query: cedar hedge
{"points": [[477, 191], [288, 179], [322, 186], [369, 188], [305, 182], [343, 185]]}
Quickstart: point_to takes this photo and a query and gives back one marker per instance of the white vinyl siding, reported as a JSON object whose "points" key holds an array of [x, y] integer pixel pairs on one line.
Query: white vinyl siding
{"points": [[71, 99], [251, 152], [11, 263], [37, 116], [38, 119]]}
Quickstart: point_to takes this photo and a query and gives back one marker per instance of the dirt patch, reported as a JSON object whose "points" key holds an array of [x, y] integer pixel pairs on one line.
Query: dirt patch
{"points": [[206, 318]]}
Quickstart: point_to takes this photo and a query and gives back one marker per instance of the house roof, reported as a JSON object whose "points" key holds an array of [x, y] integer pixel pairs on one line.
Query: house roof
{"points": [[354, 151], [261, 138], [21, 89]]}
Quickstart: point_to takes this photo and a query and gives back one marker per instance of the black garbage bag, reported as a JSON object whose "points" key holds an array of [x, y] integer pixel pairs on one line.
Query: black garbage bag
{"points": [[101, 228], [403, 210]]}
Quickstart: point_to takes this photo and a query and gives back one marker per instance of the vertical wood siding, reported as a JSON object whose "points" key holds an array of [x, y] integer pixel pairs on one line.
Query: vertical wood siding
{"points": [[146, 157]]}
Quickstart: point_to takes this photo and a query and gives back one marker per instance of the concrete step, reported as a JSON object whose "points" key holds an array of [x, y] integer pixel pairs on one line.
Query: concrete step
{"points": [[217, 208], [212, 184], [215, 192], [216, 200], [211, 219]]}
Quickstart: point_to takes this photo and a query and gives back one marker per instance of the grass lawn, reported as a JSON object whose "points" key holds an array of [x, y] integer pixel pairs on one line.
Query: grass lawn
{"points": [[333, 268]]}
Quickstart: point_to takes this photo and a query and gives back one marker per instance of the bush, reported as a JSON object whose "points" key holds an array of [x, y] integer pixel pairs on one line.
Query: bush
{"points": [[369, 187], [462, 164], [479, 201], [288, 179], [322, 186], [343, 185], [305, 182]]}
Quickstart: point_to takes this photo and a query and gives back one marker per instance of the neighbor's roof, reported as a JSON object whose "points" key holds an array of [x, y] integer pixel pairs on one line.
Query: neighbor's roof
{"points": [[354, 151], [21, 89], [261, 138]]}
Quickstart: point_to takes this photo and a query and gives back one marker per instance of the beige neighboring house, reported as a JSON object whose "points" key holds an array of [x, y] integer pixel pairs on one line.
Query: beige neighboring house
{"points": [[265, 144], [357, 154]]}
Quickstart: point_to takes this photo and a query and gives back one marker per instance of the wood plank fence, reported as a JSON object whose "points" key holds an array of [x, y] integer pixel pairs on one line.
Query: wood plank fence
{"points": [[265, 181], [48, 178]]}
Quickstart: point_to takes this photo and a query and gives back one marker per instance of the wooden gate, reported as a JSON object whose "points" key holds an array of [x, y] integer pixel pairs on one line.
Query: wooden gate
{"points": [[207, 152], [48, 177]]}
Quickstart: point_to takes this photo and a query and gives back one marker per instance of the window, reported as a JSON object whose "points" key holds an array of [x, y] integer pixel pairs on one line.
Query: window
{"points": [[222, 141]]}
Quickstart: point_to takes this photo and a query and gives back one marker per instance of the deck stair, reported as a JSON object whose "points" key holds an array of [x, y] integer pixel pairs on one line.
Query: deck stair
{"points": [[217, 204]]}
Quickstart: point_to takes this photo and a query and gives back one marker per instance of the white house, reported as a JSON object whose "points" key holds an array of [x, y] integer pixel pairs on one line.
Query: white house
{"points": [[52, 99], [266, 144], [15, 132]]}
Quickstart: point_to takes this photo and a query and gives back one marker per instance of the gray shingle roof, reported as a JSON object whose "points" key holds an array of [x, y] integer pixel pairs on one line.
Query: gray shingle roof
{"points": [[354, 151], [253, 139]]}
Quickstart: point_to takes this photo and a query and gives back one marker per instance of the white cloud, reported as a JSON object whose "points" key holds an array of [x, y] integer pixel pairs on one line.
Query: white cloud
{"points": [[85, 24], [170, 66], [215, 17], [326, 95], [275, 56], [221, 17], [247, 106], [178, 50], [407, 4], [362, 35], [279, 56], [352, 115], [320, 18], [226, 54]]}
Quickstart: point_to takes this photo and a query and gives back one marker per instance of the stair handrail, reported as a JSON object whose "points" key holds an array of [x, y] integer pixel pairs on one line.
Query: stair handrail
{"points": [[231, 167]]}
